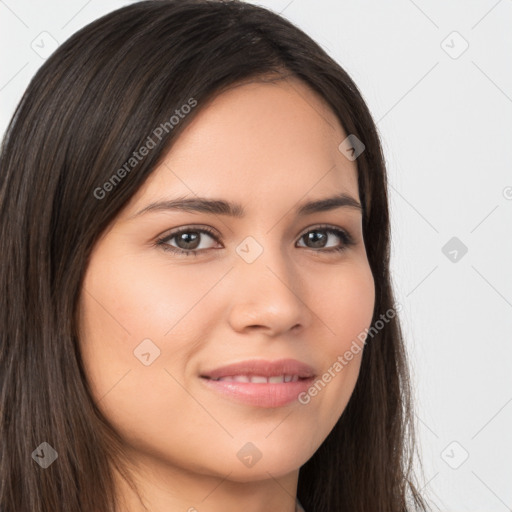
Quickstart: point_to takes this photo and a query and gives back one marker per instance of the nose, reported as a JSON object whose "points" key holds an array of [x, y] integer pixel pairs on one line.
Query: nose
{"points": [[269, 296]]}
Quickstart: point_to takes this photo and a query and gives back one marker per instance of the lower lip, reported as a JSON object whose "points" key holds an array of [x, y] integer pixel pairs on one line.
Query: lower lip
{"points": [[260, 395]]}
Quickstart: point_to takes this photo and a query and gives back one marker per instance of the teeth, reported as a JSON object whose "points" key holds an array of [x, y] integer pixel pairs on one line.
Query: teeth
{"points": [[260, 379]]}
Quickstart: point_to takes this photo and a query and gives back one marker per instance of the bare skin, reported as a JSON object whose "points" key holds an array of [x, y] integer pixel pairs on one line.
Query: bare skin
{"points": [[269, 147]]}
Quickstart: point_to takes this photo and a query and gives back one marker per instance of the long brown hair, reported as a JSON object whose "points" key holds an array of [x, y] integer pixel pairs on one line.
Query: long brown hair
{"points": [[91, 105]]}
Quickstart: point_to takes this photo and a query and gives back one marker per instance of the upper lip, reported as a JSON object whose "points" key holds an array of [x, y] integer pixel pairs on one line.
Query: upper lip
{"points": [[263, 368]]}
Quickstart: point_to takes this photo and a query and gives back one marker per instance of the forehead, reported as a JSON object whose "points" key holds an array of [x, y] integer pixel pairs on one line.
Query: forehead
{"points": [[260, 142]]}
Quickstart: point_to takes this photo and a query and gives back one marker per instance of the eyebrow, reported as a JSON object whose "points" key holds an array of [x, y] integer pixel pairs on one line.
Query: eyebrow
{"points": [[222, 207]]}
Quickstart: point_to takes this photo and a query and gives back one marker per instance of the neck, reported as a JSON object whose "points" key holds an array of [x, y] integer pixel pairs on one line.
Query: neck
{"points": [[160, 488]]}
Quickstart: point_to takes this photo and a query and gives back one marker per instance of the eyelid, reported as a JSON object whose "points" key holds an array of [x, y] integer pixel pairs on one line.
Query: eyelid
{"points": [[185, 229], [190, 227]]}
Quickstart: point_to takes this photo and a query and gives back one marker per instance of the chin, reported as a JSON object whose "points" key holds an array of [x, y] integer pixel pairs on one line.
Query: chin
{"points": [[273, 457]]}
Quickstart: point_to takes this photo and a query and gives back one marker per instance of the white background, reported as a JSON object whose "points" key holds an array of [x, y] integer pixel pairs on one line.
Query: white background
{"points": [[446, 127]]}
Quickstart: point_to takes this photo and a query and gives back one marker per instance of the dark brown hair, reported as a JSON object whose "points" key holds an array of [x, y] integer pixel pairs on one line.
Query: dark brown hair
{"points": [[89, 107]]}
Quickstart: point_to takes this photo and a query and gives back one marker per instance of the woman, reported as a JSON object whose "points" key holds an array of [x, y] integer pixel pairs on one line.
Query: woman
{"points": [[196, 304]]}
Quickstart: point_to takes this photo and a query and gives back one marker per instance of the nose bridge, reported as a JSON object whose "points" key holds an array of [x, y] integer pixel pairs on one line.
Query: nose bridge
{"points": [[264, 261], [268, 287]]}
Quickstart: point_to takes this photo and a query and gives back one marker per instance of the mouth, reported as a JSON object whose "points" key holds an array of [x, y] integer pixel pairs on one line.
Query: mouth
{"points": [[259, 379], [260, 383]]}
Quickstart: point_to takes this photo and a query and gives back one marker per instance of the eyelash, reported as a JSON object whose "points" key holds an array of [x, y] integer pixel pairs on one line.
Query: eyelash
{"points": [[343, 235]]}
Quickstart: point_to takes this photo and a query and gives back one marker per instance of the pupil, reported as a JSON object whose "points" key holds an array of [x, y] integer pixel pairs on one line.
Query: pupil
{"points": [[317, 240], [190, 241]]}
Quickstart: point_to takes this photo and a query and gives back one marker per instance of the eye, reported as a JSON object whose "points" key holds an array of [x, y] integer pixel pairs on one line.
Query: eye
{"points": [[188, 241], [319, 237]]}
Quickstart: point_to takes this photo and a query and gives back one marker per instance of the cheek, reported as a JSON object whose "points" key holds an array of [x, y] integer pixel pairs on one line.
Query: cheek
{"points": [[120, 308], [123, 305], [346, 304], [125, 301], [346, 309]]}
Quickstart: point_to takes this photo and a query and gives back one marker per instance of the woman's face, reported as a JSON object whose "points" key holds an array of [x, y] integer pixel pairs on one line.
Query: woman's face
{"points": [[157, 327]]}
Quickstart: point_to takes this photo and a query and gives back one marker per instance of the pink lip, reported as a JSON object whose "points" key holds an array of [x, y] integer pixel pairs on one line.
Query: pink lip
{"points": [[261, 394]]}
